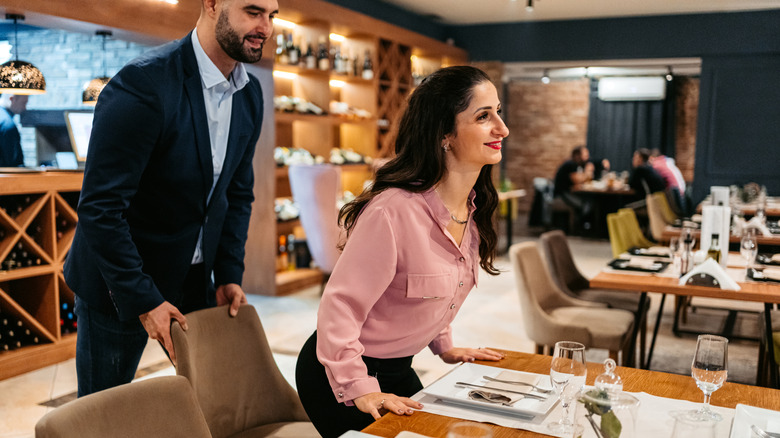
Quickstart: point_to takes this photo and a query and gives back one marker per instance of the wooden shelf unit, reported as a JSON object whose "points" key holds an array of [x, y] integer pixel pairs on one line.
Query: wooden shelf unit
{"points": [[43, 224], [392, 51]]}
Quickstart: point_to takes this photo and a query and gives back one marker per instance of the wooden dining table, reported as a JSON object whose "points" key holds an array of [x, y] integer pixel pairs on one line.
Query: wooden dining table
{"points": [[634, 380], [756, 291]]}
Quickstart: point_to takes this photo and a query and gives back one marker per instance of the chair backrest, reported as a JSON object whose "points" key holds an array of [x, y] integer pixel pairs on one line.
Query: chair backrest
{"points": [[619, 246], [632, 232], [316, 189], [655, 216], [158, 407], [229, 363], [561, 263], [538, 296], [666, 209]]}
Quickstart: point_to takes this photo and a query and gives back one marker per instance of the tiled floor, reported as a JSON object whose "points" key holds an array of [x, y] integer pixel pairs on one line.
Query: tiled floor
{"points": [[489, 317]]}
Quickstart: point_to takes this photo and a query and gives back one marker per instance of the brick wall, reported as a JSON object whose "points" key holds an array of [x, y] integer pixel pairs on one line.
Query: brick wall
{"points": [[547, 121], [68, 60], [687, 106]]}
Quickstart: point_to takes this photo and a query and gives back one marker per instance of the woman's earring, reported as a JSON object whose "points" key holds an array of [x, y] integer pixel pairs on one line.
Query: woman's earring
{"points": [[446, 147]]}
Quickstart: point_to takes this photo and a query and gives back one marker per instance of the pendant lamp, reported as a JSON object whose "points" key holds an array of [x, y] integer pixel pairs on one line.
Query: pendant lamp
{"points": [[93, 88], [19, 77]]}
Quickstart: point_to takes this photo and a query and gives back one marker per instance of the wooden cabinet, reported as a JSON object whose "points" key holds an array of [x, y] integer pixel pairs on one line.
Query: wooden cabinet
{"points": [[37, 223]]}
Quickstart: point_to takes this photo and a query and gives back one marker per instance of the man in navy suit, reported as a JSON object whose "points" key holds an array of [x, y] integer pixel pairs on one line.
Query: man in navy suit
{"points": [[167, 191]]}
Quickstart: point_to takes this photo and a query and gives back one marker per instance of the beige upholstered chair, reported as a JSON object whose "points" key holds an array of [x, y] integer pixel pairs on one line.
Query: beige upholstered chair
{"points": [[655, 216], [240, 389], [570, 280], [161, 407], [550, 316]]}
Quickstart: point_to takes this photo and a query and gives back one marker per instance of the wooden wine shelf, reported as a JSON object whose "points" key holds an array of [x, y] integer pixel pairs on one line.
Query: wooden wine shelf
{"points": [[288, 282], [284, 117], [34, 294]]}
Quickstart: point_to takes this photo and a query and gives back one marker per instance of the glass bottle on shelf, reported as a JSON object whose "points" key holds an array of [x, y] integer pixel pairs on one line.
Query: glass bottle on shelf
{"points": [[292, 50], [283, 255], [368, 67], [338, 61], [310, 58], [323, 60], [284, 55], [291, 252]]}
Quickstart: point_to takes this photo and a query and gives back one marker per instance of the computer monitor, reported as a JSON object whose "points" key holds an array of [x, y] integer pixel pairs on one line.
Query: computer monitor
{"points": [[79, 129]]}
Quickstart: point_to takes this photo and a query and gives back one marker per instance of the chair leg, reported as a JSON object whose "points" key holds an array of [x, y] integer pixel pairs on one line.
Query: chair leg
{"points": [[539, 349], [613, 354], [642, 340]]}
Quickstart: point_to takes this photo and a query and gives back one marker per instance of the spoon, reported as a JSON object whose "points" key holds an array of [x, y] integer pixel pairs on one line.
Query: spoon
{"points": [[762, 433]]}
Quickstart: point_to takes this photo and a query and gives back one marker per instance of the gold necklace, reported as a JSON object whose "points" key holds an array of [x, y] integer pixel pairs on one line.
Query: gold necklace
{"points": [[452, 216]]}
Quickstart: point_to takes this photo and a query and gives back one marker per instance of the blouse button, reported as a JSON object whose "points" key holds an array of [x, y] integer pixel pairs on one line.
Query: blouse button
{"points": [[452, 306], [460, 284]]}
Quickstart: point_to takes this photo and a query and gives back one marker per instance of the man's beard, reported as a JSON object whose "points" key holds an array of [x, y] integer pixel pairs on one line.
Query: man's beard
{"points": [[233, 45]]}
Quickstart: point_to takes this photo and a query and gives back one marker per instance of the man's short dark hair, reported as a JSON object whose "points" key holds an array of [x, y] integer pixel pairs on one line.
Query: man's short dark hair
{"points": [[644, 153], [577, 152]]}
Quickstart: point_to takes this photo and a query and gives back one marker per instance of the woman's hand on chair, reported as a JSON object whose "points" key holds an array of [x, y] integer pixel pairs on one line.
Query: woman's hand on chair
{"points": [[377, 403], [456, 355]]}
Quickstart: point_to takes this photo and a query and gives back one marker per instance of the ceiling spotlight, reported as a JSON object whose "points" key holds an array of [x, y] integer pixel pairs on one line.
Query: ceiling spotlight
{"points": [[529, 6], [546, 77], [669, 76]]}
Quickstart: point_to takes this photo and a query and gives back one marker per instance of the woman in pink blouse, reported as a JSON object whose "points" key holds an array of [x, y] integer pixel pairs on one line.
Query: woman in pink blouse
{"points": [[415, 241]]}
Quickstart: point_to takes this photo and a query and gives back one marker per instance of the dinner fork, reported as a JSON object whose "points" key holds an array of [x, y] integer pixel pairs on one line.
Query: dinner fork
{"points": [[542, 390], [762, 433]]}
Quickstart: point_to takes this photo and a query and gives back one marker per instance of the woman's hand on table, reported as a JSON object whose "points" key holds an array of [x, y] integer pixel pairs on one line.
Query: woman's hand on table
{"points": [[377, 403], [456, 355]]}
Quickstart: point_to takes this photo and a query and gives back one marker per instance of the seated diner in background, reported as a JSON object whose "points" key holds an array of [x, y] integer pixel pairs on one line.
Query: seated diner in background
{"points": [[575, 171], [644, 179]]}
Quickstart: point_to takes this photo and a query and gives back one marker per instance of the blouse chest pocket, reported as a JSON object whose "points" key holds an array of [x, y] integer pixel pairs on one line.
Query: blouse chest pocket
{"points": [[430, 286]]}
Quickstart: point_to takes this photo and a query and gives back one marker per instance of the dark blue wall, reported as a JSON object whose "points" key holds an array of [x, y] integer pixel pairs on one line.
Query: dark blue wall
{"points": [[699, 35], [395, 15]]}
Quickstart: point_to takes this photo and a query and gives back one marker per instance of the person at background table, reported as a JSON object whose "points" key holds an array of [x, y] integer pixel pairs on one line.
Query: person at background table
{"points": [[10, 141], [675, 183], [168, 191], [415, 242], [575, 171], [644, 179]]}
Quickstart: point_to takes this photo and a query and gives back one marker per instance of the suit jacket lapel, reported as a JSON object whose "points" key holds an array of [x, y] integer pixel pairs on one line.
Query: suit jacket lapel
{"points": [[194, 91]]}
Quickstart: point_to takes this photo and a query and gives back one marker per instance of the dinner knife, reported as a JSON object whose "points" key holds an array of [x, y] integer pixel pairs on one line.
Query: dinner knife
{"points": [[493, 388]]}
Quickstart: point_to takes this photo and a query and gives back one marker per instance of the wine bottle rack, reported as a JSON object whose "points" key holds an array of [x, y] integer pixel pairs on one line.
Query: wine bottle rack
{"points": [[37, 223]]}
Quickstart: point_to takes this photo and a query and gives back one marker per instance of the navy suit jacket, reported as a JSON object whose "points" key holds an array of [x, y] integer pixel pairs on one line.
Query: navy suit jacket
{"points": [[146, 183]]}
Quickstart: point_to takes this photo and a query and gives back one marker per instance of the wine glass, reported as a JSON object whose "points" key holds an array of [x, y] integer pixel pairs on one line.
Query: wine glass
{"points": [[748, 247], [709, 369], [567, 373]]}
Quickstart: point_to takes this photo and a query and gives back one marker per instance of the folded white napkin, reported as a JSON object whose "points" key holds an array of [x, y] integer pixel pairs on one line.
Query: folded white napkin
{"points": [[655, 250], [773, 273], [712, 268], [642, 262], [741, 225]]}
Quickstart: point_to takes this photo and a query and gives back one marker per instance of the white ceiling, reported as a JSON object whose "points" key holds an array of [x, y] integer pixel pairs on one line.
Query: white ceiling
{"points": [[497, 11]]}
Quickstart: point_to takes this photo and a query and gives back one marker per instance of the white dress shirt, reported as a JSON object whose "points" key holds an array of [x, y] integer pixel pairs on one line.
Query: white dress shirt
{"points": [[218, 96]]}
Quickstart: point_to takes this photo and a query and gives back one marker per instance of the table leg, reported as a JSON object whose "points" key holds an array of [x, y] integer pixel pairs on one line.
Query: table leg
{"points": [[638, 319], [655, 332], [770, 346]]}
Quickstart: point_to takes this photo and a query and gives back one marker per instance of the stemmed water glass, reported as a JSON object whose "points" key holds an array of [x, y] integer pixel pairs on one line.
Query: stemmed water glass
{"points": [[567, 373], [709, 369], [748, 247], [674, 253]]}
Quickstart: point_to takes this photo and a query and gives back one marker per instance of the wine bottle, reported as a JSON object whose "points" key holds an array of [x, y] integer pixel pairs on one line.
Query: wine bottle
{"points": [[714, 251], [291, 252], [368, 67], [279, 48], [292, 50], [311, 59], [323, 60], [283, 255], [284, 57]]}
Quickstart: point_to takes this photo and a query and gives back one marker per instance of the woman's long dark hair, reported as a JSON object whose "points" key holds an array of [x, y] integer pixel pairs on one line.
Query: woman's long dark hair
{"points": [[420, 160]]}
